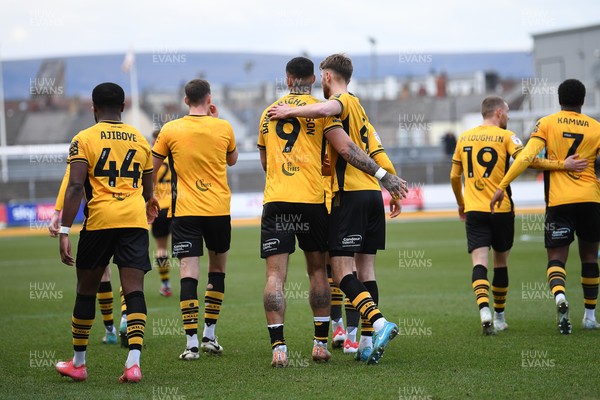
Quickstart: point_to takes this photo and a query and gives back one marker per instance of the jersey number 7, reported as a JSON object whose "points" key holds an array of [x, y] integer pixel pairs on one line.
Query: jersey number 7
{"points": [[578, 138]]}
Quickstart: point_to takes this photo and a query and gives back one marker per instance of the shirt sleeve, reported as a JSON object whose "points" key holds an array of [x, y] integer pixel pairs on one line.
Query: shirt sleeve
{"points": [[514, 145], [374, 141], [331, 123], [341, 98], [456, 182], [232, 145], [161, 148], [263, 129], [547, 165], [523, 160], [457, 157], [148, 166], [384, 162], [60, 198], [77, 151], [539, 131]]}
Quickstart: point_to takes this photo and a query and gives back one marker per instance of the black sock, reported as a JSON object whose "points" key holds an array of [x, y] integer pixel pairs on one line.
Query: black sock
{"points": [[337, 297], [557, 276], [136, 319], [276, 334], [188, 302], [481, 286], [500, 288], [589, 283], [82, 320], [213, 298], [360, 298]]}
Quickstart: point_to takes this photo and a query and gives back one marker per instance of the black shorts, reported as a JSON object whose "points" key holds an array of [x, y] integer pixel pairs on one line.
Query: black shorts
{"points": [[282, 223], [161, 227], [356, 223], [485, 229], [562, 222], [189, 232], [127, 246]]}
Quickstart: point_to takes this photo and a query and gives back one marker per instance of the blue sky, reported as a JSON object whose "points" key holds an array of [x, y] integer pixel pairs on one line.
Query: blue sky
{"points": [[34, 29]]}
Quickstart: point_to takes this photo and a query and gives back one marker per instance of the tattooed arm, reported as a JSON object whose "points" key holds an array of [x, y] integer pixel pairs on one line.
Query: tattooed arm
{"points": [[353, 154]]}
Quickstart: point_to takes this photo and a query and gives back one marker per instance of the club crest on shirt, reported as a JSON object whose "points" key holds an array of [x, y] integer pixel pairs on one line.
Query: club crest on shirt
{"points": [[74, 148], [479, 184]]}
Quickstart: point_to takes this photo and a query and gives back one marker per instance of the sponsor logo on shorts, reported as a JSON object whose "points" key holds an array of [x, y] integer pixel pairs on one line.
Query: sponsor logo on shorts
{"points": [[351, 241], [561, 233], [181, 247], [270, 244]]}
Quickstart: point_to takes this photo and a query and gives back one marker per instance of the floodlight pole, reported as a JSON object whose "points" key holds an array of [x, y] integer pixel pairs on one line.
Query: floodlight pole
{"points": [[135, 95], [373, 42]]}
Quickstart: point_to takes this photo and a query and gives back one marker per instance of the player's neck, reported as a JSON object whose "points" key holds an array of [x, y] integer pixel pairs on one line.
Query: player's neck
{"points": [[489, 122], [339, 88], [198, 110], [109, 117], [300, 90], [572, 109]]}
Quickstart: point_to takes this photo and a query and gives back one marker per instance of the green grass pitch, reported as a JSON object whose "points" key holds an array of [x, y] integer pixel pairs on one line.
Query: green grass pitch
{"points": [[424, 277]]}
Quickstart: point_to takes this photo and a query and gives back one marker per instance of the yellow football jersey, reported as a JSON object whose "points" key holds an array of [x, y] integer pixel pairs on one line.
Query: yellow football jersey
{"points": [[356, 124], [117, 156], [60, 197], [563, 134], [295, 148], [162, 190], [197, 147], [484, 153]]}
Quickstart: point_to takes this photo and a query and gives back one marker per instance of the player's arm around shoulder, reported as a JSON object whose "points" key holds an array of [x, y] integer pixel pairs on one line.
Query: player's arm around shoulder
{"points": [[354, 155], [317, 110]]}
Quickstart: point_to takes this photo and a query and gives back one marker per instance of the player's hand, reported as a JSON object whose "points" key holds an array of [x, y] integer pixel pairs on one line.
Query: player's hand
{"points": [[279, 111], [395, 207], [65, 249], [461, 213], [326, 166], [152, 209], [497, 200], [54, 226], [395, 185], [575, 164], [213, 111]]}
